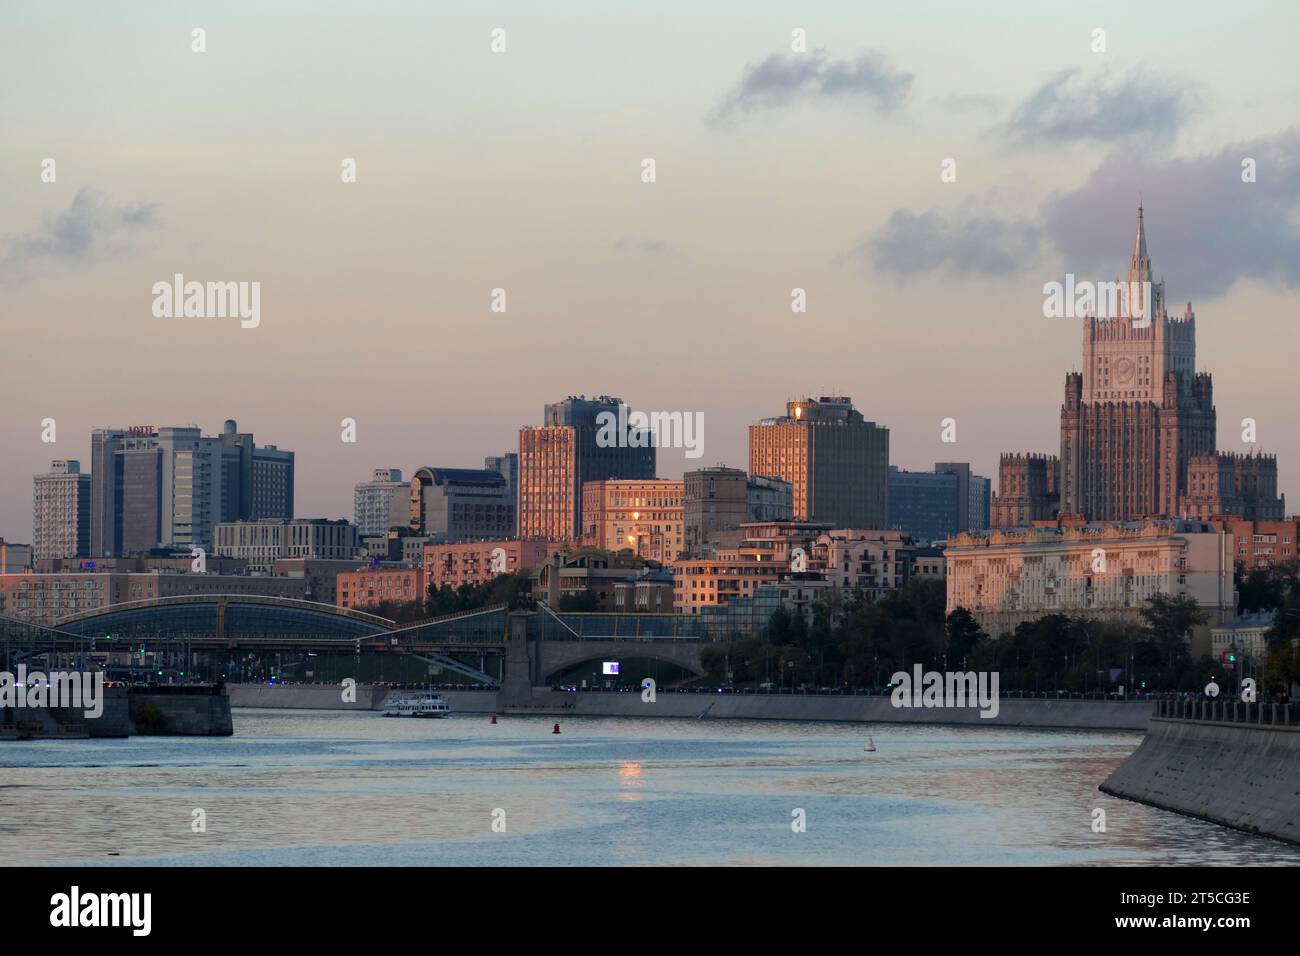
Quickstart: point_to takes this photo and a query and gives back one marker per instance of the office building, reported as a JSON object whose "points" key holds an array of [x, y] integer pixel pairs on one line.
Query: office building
{"points": [[61, 512], [168, 487], [836, 462], [381, 503], [558, 457], [263, 543], [461, 504]]}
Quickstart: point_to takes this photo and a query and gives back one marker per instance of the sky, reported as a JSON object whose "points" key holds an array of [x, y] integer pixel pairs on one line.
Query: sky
{"points": [[522, 170]]}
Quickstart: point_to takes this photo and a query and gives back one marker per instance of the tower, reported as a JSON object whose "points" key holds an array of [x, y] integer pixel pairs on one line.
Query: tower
{"points": [[1138, 410]]}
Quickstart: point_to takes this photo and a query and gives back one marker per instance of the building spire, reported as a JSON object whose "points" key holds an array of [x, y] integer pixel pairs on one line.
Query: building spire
{"points": [[1139, 265]]}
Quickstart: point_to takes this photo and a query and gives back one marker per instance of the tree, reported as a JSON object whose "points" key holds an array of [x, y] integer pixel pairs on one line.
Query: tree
{"points": [[964, 633], [1169, 620]]}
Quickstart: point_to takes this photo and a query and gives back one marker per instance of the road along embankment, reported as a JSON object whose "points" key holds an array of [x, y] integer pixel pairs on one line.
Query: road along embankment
{"points": [[1230, 763], [1012, 712]]}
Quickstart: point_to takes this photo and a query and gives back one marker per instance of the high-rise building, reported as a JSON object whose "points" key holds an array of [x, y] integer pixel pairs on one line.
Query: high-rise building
{"points": [[836, 462], [1138, 411], [974, 495], [925, 504], [643, 515], [568, 450], [61, 512], [461, 504], [381, 503], [1026, 490], [508, 466], [168, 487]]}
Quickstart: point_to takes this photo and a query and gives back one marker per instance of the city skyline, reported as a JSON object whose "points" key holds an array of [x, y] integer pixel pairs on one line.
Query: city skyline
{"points": [[924, 297]]}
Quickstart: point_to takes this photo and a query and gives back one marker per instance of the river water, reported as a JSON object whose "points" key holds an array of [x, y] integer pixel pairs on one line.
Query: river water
{"points": [[340, 788]]}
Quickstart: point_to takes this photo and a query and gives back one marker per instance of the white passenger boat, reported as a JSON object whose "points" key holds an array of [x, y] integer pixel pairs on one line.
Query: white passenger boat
{"points": [[416, 705]]}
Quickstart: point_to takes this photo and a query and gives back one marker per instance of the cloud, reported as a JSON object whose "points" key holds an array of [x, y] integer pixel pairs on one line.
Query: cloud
{"points": [[780, 81], [1206, 228], [87, 231], [1069, 108], [964, 244]]}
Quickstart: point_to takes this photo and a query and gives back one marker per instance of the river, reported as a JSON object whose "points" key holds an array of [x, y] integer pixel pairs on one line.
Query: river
{"points": [[352, 788]]}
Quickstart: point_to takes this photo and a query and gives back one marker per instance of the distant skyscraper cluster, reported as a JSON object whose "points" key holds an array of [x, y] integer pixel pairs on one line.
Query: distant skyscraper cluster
{"points": [[151, 488]]}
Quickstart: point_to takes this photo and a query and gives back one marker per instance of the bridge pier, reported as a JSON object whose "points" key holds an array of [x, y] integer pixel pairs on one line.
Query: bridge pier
{"points": [[517, 681]]}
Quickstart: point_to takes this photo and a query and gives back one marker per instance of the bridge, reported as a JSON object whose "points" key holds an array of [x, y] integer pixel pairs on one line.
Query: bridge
{"points": [[206, 630]]}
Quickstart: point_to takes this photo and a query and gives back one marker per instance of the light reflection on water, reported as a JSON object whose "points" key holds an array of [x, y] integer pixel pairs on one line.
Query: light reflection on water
{"points": [[338, 788]]}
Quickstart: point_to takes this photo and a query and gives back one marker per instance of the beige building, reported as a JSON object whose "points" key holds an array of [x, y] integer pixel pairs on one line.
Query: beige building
{"points": [[61, 512], [1243, 635], [876, 562], [1094, 570], [641, 515], [766, 554]]}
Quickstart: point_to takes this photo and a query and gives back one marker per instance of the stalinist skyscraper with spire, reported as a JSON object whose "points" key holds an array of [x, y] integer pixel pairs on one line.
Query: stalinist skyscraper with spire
{"points": [[1138, 414]]}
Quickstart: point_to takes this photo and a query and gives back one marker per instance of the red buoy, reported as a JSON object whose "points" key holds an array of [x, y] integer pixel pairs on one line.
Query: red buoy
{"points": [[494, 718], [556, 730]]}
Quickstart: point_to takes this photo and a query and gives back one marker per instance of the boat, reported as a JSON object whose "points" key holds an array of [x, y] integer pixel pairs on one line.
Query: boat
{"points": [[871, 745], [416, 705]]}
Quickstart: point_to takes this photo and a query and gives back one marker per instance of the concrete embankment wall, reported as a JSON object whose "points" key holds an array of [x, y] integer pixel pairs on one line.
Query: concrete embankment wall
{"points": [[1240, 775], [1096, 715], [309, 697], [199, 714], [1086, 715], [330, 697], [183, 711]]}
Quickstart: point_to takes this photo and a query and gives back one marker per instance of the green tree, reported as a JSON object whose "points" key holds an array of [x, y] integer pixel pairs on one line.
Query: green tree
{"points": [[964, 633], [1170, 620]]}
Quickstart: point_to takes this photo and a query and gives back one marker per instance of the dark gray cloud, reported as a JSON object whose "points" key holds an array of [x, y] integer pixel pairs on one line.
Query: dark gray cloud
{"points": [[90, 229], [780, 81], [1071, 108], [1206, 228], [964, 244]]}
